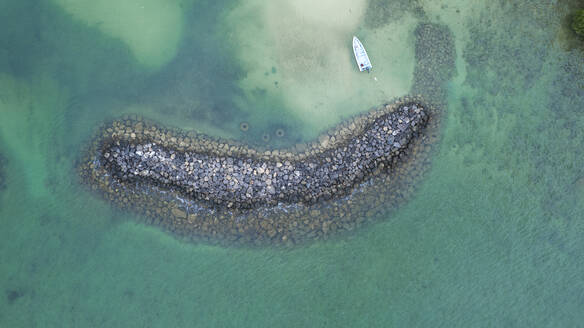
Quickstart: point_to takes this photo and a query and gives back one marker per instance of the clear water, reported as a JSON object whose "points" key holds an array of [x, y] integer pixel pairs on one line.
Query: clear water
{"points": [[493, 236]]}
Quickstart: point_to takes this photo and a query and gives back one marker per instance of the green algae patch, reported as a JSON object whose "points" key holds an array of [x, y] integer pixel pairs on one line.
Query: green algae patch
{"points": [[577, 24], [151, 29]]}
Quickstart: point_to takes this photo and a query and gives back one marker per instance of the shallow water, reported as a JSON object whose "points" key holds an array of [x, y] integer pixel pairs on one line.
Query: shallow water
{"points": [[492, 236]]}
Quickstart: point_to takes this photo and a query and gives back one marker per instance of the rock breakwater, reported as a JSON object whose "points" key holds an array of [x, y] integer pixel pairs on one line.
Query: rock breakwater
{"points": [[222, 191], [245, 180]]}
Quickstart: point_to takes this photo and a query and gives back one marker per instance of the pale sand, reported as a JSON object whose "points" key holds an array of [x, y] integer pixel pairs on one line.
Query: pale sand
{"points": [[309, 44], [152, 29]]}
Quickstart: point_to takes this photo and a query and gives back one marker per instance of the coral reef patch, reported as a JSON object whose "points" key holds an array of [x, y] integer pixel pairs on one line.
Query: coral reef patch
{"points": [[435, 56]]}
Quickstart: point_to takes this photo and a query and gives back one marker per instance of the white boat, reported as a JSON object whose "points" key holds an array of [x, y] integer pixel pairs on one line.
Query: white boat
{"points": [[361, 55]]}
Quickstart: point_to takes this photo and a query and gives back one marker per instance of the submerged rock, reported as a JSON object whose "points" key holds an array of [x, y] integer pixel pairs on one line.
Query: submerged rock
{"points": [[435, 61], [2, 179]]}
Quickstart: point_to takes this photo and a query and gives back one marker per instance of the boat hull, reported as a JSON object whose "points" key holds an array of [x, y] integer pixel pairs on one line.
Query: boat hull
{"points": [[361, 56]]}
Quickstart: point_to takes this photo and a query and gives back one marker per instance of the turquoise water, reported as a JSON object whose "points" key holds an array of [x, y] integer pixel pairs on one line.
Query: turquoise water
{"points": [[492, 236]]}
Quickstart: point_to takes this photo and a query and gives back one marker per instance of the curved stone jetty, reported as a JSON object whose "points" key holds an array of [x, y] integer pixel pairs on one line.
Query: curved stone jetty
{"points": [[221, 191], [247, 181]]}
